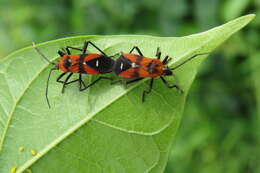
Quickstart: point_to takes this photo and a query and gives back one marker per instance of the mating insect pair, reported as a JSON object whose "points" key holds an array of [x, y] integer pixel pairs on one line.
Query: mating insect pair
{"points": [[128, 65]]}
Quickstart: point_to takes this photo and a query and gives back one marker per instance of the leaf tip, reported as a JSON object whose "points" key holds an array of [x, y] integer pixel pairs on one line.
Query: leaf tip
{"points": [[250, 16]]}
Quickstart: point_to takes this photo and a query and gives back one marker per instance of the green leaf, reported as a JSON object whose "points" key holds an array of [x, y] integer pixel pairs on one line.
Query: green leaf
{"points": [[105, 128]]}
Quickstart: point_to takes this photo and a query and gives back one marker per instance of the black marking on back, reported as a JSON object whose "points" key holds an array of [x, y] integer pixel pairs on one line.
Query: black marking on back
{"points": [[81, 65], [118, 64], [105, 64], [67, 63], [151, 67]]}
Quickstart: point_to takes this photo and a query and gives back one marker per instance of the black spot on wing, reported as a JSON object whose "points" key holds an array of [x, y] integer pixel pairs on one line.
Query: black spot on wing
{"points": [[121, 64], [152, 67], [81, 65], [102, 64]]}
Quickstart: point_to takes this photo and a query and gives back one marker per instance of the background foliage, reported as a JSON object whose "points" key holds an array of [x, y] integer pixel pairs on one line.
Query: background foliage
{"points": [[220, 131]]}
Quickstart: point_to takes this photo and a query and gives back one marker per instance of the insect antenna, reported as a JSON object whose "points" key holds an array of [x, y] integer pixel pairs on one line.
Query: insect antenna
{"points": [[47, 86], [38, 50], [184, 62], [54, 68]]}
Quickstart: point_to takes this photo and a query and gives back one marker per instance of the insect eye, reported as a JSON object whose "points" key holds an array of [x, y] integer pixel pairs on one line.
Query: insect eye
{"points": [[67, 62], [167, 72]]}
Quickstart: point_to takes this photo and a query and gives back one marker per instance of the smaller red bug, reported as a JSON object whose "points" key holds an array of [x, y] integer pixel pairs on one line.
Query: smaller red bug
{"points": [[138, 67], [84, 63]]}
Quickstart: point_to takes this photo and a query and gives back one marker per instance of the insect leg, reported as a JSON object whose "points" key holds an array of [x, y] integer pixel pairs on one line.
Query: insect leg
{"points": [[70, 47], [158, 53], [76, 48], [64, 51], [132, 81], [95, 81], [86, 45], [63, 82], [66, 82], [137, 49], [61, 53], [171, 86], [166, 60], [72, 81], [149, 90], [47, 87], [81, 82], [59, 78], [83, 49], [121, 81]]}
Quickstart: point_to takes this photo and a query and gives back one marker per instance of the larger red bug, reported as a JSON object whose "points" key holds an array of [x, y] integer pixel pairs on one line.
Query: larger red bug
{"points": [[84, 63], [138, 67]]}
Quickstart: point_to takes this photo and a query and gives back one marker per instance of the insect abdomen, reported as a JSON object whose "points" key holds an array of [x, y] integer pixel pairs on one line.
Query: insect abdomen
{"points": [[135, 66]]}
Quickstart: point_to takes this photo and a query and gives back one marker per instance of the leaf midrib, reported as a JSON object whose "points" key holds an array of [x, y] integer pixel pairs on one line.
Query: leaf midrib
{"points": [[73, 129]]}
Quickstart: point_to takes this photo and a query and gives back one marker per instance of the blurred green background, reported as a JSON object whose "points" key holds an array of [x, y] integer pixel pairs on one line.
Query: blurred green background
{"points": [[220, 130]]}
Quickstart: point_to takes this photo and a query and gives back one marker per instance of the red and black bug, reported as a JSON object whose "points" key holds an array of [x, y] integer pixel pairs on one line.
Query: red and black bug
{"points": [[138, 67], [84, 63]]}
